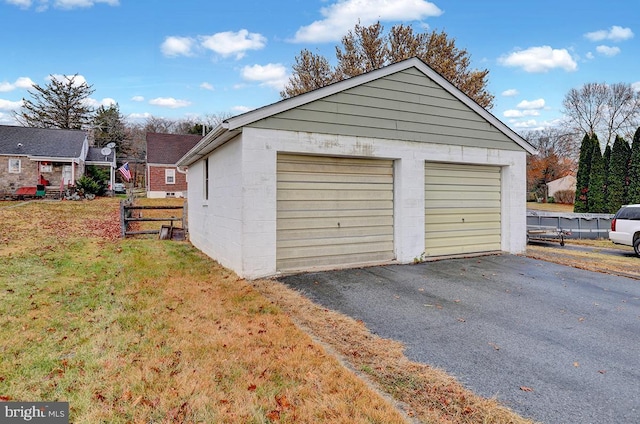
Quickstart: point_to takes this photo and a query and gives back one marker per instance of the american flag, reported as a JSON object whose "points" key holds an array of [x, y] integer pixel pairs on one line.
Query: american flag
{"points": [[124, 170]]}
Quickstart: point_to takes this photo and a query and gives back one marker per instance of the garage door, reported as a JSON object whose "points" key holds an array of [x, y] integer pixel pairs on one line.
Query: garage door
{"points": [[462, 209], [333, 211]]}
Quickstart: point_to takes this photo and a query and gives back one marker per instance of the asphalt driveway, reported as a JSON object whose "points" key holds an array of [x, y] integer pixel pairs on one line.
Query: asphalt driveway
{"points": [[501, 324]]}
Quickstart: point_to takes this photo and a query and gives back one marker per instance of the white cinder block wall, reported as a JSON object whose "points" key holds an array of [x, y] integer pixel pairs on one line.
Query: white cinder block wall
{"points": [[237, 226], [215, 225]]}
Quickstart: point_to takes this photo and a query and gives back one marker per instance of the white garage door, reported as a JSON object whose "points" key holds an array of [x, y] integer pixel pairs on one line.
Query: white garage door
{"points": [[333, 211], [462, 209]]}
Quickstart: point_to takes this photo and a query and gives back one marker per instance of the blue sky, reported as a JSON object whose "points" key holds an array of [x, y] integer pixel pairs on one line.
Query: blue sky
{"points": [[192, 58]]}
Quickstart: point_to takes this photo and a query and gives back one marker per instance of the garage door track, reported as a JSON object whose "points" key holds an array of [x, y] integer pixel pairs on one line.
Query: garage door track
{"points": [[502, 323]]}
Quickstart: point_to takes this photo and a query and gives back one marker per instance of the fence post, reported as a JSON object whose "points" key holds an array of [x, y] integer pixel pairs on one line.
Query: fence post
{"points": [[184, 216], [123, 223]]}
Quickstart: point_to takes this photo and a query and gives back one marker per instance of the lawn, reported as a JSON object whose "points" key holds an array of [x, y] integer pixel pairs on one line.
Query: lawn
{"points": [[145, 330]]}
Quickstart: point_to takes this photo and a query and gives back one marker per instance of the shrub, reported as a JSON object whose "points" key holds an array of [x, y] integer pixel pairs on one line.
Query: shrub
{"points": [[567, 197], [88, 185]]}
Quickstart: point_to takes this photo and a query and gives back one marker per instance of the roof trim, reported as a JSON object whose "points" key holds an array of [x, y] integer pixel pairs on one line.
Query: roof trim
{"points": [[239, 121]]}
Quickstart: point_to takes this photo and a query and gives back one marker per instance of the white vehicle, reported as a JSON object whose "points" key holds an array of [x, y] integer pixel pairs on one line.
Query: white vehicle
{"points": [[625, 227], [119, 188]]}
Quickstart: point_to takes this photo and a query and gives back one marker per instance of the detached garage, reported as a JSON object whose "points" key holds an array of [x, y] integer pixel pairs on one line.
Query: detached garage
{"points": [[386, 167]]}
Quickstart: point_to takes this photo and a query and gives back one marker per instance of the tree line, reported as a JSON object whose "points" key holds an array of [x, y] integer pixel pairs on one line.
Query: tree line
{"points": [[607, 180], [63, 103]]}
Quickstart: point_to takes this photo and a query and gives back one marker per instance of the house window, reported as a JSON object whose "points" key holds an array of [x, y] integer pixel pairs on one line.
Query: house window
{"points": [[46, 167], [15, 166], [170, 176], [206, 179]]}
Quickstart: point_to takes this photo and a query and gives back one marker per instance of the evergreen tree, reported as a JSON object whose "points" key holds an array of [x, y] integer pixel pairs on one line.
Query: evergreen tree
{"points": [[633, 192], [620, 154], [59, 104], [582, 179], [607, 163], [109, 126], [596, 196]]}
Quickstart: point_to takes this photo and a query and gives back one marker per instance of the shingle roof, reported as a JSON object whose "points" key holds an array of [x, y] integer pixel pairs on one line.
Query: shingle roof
{"points": [[95, 155], [168, 148], [45, 142]]}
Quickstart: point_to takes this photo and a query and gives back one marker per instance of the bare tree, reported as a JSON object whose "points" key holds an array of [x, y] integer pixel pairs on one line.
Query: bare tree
{"points": [[600, 108], [62, 103], [367, 48]]}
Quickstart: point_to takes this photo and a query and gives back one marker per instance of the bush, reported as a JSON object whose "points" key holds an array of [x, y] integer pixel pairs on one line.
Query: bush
{"points": [[88, 185], [567, 197]]}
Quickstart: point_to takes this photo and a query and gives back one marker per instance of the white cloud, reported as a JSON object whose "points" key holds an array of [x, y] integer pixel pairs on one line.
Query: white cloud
{"points": [[177, 46], [43, 5], [590, 56], [24, 4], [10, 105], [136, 116], [233, 43], [513, 113], [206, 86], [273, 75], [531, 124], [72, 4], [106, 102], [169, 102], [77, 79], [510, 92], [534, 104], [607, 50], [540, 59], [22, 82], [241, 109], [341, 16], [636, 86], [138, 98], [615, 33]]}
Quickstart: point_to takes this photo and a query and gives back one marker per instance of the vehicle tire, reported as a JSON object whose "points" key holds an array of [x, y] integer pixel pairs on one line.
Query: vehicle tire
{"points": [[636, 246]]}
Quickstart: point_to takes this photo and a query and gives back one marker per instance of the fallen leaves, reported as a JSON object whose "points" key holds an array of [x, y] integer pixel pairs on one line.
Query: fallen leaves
{"points": [[526, 389]]}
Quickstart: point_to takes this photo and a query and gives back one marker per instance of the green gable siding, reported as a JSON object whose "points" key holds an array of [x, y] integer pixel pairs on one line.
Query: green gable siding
{"points": [[406, 105]]}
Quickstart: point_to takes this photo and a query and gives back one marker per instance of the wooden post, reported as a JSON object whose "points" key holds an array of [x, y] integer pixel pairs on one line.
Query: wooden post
{"points": [[123, 223]]}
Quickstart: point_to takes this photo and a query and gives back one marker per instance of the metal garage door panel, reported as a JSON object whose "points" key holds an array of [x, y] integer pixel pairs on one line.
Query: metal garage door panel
{"points": [[333, 211], [462, 209]]}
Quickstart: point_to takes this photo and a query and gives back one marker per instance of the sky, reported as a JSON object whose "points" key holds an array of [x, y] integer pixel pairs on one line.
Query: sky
{"points": [[189, 59]]}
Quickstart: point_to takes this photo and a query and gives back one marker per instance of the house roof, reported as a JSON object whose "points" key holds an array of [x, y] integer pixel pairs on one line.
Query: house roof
{"points": [[230, 127], [168, 148], [95, 155], [41, 142]]}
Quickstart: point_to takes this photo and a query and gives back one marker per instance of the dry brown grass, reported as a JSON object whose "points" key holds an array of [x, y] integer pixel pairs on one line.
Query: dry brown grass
{"points": [[594, 260], [138, 331], [550, 207], [432, 395]]}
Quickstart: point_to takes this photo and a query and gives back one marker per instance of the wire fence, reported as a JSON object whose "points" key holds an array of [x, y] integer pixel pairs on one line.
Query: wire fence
{"points": [[580, 225]]}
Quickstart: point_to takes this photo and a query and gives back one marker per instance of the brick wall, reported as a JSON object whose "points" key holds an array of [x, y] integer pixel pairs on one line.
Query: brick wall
{"points": [[157, 179]]}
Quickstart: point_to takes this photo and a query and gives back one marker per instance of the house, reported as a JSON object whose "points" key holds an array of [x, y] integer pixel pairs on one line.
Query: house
{"points": [[391, 166], [164, 178], [41, 156], [568, 182]]}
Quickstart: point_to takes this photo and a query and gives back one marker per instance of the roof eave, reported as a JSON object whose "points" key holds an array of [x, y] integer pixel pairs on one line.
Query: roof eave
{"points": [[217, 137]]}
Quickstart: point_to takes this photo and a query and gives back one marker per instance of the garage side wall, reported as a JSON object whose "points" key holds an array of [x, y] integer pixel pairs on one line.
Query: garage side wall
{"points": [[215, 224]]}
